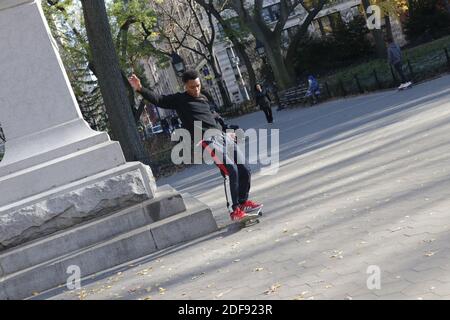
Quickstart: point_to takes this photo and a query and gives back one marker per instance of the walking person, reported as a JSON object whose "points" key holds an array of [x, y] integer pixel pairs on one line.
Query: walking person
{"points": [[395, 59], [193, 106], [263, 100]]}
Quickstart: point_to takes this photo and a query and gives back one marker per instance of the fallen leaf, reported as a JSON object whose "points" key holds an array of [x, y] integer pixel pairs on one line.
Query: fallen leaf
{"points": [[147, 298], [237, 260], [197, 276], [132, 290], [258, 269], [430, 253], [162, 290], [337, 254], [222, 293], [301, 296], [273, 288]]}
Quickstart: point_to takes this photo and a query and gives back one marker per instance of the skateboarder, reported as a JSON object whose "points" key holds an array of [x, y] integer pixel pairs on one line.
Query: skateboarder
{"points": [[395, 59], [192, 106]]}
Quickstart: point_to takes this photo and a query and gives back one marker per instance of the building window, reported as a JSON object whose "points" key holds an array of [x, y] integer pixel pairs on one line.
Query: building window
{"points": [[327, 24], [335, 20], [272, 13]]}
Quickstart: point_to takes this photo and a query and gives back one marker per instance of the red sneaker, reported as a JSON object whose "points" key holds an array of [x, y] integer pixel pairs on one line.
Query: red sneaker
{"points": [[249, 206], [237, 214]]}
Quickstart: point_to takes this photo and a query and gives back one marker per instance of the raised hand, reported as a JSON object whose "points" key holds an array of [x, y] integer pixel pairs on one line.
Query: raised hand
{"points": [[135, 82]]}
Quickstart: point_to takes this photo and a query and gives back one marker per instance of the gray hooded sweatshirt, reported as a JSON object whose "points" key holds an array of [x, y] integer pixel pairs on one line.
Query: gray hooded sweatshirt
{"points": [[394, 53]]}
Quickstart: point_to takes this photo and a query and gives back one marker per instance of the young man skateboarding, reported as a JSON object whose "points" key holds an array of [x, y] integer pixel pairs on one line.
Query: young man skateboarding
{"points": [[193, 106]]}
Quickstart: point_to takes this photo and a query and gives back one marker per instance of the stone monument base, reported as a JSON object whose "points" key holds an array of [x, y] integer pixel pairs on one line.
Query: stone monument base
{"points": [[66, 206], [102, 243]]}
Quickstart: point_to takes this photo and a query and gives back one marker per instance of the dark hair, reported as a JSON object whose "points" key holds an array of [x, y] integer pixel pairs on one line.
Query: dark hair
{"points": [[258, 85], [190, 75]]}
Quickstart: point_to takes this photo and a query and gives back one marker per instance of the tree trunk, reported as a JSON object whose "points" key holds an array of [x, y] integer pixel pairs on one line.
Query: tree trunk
{"points": [[387, 22], [283, 76], [110, 80], [248, 64], [377, 35]]}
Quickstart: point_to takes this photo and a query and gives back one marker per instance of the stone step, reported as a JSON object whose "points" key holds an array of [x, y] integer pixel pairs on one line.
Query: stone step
{"points": [[167, 202], [63, 207], [59, 171], [195, 222]]}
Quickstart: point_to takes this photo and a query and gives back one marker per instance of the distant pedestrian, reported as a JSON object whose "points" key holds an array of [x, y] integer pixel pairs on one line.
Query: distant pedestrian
{"points": [[395, 59], [313, 89], [263, 100]]}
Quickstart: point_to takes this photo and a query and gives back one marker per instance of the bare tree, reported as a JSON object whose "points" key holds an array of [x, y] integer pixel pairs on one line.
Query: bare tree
{"points": [[231, 33], [191, 33], [251, 16]]}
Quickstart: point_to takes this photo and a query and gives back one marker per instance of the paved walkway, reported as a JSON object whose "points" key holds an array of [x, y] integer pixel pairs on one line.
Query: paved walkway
{"points": [[363, 181]]}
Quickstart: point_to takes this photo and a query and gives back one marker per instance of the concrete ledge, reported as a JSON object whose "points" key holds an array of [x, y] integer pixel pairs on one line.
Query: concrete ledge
{"points": [[175, 230], [67, 206], [195, 222], [167, 202]]}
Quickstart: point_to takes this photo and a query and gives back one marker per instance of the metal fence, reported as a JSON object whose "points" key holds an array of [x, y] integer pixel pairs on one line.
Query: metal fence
{"points": [[417, 69]]}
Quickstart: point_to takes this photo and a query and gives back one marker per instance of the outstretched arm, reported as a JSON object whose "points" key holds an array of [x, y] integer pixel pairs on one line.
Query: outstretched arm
{"points": [[165, 102]]}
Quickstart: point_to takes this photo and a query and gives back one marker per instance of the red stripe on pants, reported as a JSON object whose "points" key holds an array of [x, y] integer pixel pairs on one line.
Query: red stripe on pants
{"points": [[217, 161]]}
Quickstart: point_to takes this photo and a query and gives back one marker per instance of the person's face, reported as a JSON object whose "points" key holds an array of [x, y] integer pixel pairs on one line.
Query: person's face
{"points": [[193, 87], [258, 87]]}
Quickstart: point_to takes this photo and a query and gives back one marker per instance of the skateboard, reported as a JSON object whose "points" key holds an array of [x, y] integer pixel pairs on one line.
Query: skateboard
{"points": [[251, 219], [407, 87]]}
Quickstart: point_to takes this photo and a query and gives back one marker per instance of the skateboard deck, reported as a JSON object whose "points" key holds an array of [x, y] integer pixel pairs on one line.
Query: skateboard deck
{"points": [[251, 219], [408, 87]]}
